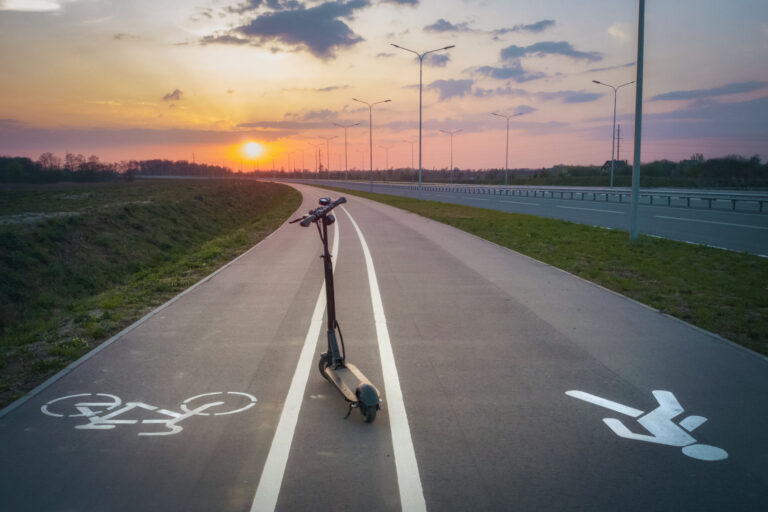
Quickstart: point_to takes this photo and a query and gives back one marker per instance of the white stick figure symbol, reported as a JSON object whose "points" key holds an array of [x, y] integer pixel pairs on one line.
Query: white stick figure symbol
{"points": [[659, 422]]}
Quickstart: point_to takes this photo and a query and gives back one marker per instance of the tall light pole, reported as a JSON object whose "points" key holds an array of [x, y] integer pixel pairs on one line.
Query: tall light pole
{"points": [[317, 157], [421, 63], [346, 163], [638, 121], [411, 142], [454, 132], [362, 158], [370, 129], [613, 138], [386, 156], [328, 153], [506, 157]]}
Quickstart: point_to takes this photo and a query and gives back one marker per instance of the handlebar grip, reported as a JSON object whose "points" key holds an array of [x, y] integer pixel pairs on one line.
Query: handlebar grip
{"points": [[308, 220]]}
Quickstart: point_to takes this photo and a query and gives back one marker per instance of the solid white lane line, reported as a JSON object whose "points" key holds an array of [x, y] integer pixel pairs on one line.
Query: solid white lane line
{"points": [[408, 480], [712, 222], [589, 209], [477, 199], [265, 499], [519, 202]]}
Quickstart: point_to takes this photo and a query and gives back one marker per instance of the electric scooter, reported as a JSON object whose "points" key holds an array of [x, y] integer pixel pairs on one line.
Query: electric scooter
{"points": [[356, 389]]}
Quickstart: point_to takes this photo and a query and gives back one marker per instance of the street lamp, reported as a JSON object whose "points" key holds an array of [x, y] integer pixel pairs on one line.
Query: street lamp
{"points": [[613, 137], [328, 154], [386, 156], [411, 142], [451, 134], [506, 157], [317, 157], [370, 129], [346, 163], [421, 62]]}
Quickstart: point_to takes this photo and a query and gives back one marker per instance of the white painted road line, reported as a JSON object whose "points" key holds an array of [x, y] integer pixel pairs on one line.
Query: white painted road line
{"points": [[712, 222], [477, 199], [590, 209], [408, 480], [519, 202], [265, 499]]}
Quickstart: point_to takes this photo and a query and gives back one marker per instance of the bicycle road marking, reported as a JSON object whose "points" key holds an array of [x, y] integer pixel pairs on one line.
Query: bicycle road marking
{"points": [[101, 415], [271, 480], [408, 480], [711, 222]]}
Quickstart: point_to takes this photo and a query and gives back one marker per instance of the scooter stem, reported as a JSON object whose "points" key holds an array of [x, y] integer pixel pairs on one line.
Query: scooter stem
{"points": [[336, 357]]}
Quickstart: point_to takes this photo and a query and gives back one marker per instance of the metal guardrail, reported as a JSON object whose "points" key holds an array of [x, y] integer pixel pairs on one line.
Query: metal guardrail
{"points": [[712, 201], [709, 200]]}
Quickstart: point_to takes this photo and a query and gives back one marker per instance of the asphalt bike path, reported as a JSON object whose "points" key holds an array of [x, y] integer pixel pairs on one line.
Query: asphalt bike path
{"points": [[525, 388], [241, 331]]}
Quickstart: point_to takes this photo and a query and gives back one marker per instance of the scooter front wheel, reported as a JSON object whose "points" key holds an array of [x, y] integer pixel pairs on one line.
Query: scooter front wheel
{"points": [[369, 413]]}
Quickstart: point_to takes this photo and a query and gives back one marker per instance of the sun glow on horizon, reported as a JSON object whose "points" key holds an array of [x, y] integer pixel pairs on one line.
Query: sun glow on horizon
{"points": [[253, 149]]}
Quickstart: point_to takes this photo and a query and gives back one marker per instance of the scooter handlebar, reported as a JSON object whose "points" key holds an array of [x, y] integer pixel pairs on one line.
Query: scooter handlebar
{"points": [[319, 213]]}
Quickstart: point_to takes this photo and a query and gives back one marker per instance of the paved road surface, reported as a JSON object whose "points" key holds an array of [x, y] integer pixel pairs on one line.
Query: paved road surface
{"points": [[737, 231], [486, 344]]}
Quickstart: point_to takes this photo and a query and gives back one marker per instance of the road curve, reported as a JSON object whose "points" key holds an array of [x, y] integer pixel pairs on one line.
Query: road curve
{"points": [[486, 344]]}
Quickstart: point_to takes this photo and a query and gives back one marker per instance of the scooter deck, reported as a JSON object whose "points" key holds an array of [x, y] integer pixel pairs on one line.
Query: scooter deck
{"points": [[347, 380]]}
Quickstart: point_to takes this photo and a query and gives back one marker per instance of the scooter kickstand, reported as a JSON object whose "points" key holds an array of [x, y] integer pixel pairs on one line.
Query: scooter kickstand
{"points": [[352, 405]]}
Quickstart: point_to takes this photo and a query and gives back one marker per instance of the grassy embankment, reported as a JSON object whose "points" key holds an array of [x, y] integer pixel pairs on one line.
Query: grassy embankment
{"points": [[721, 291], [80, 262]]}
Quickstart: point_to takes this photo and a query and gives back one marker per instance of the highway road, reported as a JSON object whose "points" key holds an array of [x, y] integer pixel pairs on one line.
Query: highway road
{"points": [[745, 231], [507, 385]]}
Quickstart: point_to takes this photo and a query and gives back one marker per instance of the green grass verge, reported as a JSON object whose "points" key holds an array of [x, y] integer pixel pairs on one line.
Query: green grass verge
{"points": [[78, 263], [721, 291]]}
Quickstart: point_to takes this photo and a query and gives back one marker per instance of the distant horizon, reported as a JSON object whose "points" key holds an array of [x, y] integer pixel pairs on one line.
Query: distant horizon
{"points": [[282, 168], [142, 80]]}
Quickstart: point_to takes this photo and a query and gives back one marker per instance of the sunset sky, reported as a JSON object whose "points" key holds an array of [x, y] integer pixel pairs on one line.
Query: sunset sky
{"points": [[144, 79]]}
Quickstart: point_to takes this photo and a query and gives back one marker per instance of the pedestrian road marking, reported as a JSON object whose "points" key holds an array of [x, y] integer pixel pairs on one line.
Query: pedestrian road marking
{"points": [[713, 222], [659, 423], [589, 209]]}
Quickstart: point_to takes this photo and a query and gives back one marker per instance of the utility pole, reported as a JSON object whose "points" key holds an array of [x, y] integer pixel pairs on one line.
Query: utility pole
{"points": [[618, 144]]}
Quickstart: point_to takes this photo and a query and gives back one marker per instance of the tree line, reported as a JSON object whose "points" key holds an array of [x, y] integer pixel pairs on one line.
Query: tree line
{"points": [[731, 171], [50, 168], [696, 172]]}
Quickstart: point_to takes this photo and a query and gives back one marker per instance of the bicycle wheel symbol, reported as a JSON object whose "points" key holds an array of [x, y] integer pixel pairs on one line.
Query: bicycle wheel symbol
{"points": [[226, 402], [76, 406]]}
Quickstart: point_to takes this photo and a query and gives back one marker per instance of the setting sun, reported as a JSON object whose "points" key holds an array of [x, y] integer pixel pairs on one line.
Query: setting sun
{"points": [[253, 149]]}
